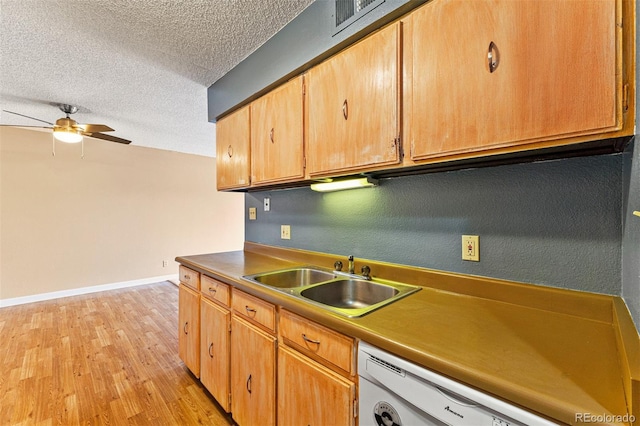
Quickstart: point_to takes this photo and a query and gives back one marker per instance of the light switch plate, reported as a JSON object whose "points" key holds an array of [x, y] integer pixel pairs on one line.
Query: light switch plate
{"points": [[285, 232], [252, 213]]}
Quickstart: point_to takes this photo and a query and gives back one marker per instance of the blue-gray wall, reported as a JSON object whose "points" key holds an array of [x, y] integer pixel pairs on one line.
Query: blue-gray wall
{"points": [[556, 223], [631, 223], [631, 234]]}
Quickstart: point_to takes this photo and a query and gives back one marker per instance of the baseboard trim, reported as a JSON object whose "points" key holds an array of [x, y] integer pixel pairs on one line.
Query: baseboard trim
{"points": [[84, 290]]}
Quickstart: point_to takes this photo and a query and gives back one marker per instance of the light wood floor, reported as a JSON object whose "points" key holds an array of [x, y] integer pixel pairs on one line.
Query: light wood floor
{"points": [[103, 358]]}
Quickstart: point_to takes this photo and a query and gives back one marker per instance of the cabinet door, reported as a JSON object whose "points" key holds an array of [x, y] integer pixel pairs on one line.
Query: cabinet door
{"points": [[310, 394], [353, 107], [214, 351], [277, 135], [554, 74], [189, 328], [232, 150], [253, 381]]}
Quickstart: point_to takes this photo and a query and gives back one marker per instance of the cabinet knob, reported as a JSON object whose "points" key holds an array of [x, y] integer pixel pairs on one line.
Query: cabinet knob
{"points": [[230, 151], [493, 57], [345, 109]]}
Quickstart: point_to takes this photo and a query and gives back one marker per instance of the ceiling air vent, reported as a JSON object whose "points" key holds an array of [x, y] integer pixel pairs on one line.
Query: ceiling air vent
{"points": [[349, 11]]}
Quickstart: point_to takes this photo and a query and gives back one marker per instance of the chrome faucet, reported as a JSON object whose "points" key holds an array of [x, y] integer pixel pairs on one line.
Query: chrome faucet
{"points": [[352, 269], [366, 272]]}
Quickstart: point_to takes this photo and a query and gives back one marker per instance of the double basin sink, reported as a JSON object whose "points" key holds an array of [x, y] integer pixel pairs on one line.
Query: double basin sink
{"points": [[345, 294]]}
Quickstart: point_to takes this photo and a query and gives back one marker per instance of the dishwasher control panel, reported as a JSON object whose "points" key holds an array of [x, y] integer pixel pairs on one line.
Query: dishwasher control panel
{"points": [[500, 422]]}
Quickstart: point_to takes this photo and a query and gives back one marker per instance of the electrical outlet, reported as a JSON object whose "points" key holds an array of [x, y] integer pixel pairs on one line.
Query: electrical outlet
{"points": [[267, 204], [252, 213], [471, 248], [285, 232]]}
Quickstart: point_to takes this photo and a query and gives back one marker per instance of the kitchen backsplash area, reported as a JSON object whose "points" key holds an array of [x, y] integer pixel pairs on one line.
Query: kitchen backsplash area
{"points": [[557, 223]]}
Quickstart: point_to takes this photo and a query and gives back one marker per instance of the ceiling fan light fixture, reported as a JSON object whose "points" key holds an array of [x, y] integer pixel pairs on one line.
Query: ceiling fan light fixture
{"points": [[67, 135]]}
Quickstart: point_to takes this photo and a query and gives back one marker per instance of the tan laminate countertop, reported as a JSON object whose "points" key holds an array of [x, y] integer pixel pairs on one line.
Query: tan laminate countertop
{"points": [[551, 361]]}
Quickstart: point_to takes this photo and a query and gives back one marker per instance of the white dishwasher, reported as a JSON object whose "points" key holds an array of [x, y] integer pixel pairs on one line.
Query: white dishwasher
{"points": [[395, 392]]}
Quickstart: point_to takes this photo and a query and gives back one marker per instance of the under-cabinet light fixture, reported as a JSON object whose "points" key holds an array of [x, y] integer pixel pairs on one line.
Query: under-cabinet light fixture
{"points": [[339, 185]]}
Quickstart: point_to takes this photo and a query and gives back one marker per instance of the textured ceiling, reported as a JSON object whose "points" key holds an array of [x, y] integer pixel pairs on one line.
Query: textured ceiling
{"points": [[139, 66]]}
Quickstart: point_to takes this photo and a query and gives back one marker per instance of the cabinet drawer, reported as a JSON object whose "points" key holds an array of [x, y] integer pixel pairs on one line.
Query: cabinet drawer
{"points": [[215, 290], [255, 310], [189, 277], [316, 341]]}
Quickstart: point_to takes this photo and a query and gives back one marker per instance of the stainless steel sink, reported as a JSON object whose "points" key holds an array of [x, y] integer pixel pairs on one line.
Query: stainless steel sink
{"points": [[356, 297], [345, 294], [350, 293], [294, 277]]}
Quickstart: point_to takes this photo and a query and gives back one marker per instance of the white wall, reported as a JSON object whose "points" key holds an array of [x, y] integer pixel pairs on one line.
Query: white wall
{"points": [[68, 223]]}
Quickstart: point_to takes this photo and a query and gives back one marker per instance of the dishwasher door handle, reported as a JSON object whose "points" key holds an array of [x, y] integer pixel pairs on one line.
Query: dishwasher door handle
{"points": [[455, 398]]}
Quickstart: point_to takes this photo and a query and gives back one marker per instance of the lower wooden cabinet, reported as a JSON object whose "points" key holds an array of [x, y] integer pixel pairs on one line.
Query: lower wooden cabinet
{"points": [[311, 394], [253, 374], [265, 365], [215, 330], [189, 328]]}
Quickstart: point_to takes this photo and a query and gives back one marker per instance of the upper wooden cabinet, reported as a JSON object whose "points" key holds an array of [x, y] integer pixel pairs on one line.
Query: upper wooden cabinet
{"points": [[277, 137], [451, 80], [353, 107], [487, 74], [232, 150]]}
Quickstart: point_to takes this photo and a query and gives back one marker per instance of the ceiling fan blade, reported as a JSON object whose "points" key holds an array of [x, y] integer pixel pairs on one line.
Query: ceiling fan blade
{"points": [[26, 116], [109, 138], [26, 127], [94, 128]]}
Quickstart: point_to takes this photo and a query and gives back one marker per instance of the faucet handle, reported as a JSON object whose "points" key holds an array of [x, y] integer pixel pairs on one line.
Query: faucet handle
{"points": [[366, 272], [337, 266]]}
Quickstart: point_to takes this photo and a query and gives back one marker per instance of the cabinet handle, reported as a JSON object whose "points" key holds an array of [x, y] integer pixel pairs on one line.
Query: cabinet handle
{"points": [[212, 290], [345, 109], [493, 57], [230, 151], [187, 277], [271, 135], [306, 339], [210, 348], [186, 324], [249, 384], [248, 309]]}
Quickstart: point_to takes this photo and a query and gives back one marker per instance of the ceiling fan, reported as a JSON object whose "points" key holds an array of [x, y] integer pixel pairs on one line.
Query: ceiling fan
{"points": [[68, 130]]}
